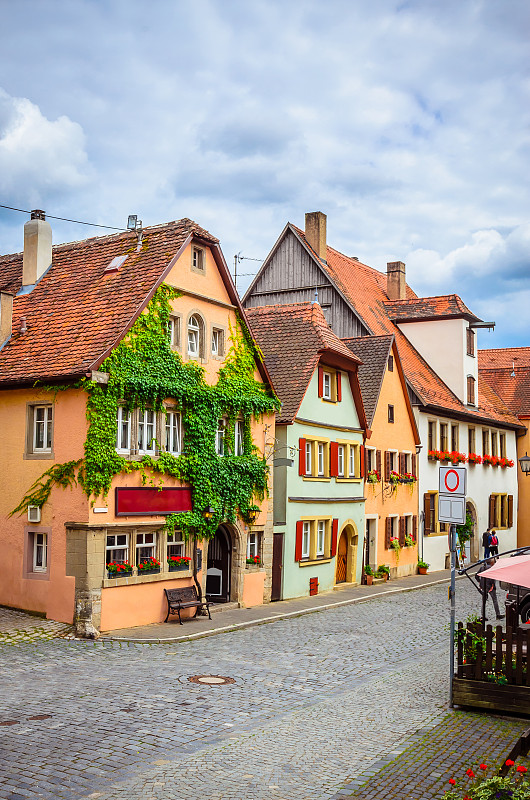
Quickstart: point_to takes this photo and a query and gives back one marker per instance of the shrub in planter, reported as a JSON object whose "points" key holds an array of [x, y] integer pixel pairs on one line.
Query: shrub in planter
{"points": [[148, 565], [119, 570], [383, 571], [369, 575], [422, 567], [177, 563], [254, 560]]}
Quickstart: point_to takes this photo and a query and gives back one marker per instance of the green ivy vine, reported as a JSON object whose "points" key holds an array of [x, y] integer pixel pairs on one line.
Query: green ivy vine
{"points": [[145, 372]]}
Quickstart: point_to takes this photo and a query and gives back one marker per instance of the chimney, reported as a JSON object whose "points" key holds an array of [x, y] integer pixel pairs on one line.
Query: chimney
{"points": [[6, 316], [37, 248], [315, 232], [396, 288]]}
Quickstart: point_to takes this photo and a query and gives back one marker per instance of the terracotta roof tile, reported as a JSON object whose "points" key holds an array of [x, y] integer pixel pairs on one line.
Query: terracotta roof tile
{"points": [[442, 307], [373, 352], [77, 310], [507, 371], [292, 338]]}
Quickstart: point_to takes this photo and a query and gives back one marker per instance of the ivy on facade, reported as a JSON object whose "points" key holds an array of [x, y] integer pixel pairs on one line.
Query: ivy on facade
{"points": [[144, 372]]}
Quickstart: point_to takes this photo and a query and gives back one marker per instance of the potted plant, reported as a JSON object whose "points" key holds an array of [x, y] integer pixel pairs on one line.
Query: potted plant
{"points": [[373, 476], [395, 546], [502, 782], [433, 455], [368, 575], [505, 462], [254, 561], [117, 569], [473, 458], [422, 567], [148, 566], [394, 478], [409, 541], [457, 458], [178, 563], [383, 571]]}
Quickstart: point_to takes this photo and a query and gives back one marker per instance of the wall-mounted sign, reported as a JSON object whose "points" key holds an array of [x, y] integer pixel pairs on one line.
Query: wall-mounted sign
{"points": [[146, 501]]}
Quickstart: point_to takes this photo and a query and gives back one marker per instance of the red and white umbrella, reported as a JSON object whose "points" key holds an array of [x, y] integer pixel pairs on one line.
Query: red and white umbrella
{"points": [[514, 570]]}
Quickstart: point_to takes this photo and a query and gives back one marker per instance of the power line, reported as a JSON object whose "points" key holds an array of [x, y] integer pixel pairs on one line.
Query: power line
{"points": [[64, 219]]}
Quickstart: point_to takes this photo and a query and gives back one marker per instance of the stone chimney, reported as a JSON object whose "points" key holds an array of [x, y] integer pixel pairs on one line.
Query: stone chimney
{"points": [[315, 232], [396, 287], [6, 316], [37, 248]]}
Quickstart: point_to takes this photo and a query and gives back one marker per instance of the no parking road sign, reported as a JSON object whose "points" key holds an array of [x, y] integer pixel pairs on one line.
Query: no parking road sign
{"points": [[452, 495]]}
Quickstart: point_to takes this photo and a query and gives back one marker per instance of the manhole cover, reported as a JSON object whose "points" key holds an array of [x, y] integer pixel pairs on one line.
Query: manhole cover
{"points": [[211, 680]]}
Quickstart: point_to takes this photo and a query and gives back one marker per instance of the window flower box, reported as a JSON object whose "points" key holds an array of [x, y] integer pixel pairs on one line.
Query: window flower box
{"points": [[433, 455], [505, 462], [149, 566], [490, 461], [253, 561], [408, 477], [373, 476], [119, 569], [179, 563], [473, 458], [457, 458]]}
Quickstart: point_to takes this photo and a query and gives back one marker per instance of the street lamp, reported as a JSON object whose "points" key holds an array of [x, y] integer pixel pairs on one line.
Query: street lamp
{"points": [[209, 512], [524, 462]]}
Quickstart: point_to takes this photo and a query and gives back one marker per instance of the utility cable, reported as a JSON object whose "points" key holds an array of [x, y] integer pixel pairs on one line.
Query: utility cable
{"points": [[64, 219]]}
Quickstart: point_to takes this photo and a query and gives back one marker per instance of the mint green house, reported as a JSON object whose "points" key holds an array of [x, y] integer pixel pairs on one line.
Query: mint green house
{"points": [[318, 499]]}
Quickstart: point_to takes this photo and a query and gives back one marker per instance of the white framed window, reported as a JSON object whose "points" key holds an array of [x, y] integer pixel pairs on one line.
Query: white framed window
{"points": [[145, 547], [370, 458], [407, 462], [326, 385], [197, 258], [175, 545], [321, 458], [308, 458], [173, 331], [123, 430], [252, 545], [117, 548], [40, 552], [146, 431], [217, 342], [194, 330], [321, 537], [340, 460], [352, 467], [42, 429], [220, 438], [173, 433], [238, 437], [306, 539]]}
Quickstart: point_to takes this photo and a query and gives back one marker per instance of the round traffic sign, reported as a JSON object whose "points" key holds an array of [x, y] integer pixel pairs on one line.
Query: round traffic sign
{"points": [[452, 480]]}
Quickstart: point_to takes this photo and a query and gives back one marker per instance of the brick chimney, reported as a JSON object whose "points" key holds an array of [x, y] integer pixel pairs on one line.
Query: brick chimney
{"points": [[37, 248], [6, 316], [396, 287], [315, 232]]}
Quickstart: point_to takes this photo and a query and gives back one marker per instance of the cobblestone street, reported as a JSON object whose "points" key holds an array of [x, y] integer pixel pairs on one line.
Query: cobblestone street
{"points": [[317, 702]]}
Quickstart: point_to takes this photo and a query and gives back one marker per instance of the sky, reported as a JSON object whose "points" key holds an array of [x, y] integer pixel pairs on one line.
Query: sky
{"points": [[406, 122]]}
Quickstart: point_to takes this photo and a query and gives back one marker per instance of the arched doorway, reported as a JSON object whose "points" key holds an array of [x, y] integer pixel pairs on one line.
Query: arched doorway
{"points": [[473, 546], [219, 566], [341, 572]]}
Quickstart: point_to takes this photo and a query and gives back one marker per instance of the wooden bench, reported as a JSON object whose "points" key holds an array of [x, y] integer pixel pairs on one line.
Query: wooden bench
{"points": [[186, 597]]}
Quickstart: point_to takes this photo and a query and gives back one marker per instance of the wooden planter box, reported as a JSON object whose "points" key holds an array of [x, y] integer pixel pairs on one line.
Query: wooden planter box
{"points": [[492, 696]]}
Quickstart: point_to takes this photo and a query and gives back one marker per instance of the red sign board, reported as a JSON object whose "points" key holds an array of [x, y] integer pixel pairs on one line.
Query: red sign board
{"points": [[146, 501]]}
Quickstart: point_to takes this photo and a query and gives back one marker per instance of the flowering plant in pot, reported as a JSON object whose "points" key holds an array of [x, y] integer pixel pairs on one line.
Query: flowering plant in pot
{"points": [[115, 568], [408, 477], [433, 455], [178, 563], [394, 478], [473, 458], [373, 476], [383, 571], [491, 461], [457, 458], [505, 462], [478, 786], [410, 541], [422, 567], [150, 564], [254, 560], [395, 546], [368, 575]]}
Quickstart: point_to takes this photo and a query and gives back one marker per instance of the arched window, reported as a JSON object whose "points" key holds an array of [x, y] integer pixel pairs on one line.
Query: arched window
{"points": [[195, 337]]}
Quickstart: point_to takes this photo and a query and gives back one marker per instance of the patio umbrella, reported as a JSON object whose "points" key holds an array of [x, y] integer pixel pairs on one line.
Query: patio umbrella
{"points": [[514, 570]]}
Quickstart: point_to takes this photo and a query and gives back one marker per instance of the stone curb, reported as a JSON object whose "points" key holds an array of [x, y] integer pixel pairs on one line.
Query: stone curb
{"points": [[266, 620]]}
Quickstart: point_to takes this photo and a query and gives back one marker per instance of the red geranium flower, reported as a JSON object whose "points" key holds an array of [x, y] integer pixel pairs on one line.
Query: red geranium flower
{"points": [[452, 781], [483, 766], [520, 768], [509, 763], [470, 773]]}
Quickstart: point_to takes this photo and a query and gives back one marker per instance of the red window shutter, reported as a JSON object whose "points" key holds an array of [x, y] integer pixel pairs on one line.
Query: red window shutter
{"points": [[414, 464], [415, 528], [428, 522], [339, 387], [334, 532], [362, 456], [492, 512], [510, 510], [320, 382], [402, 531], [378, 461], [301, 456], [387, 466], [333, 459], [388, 533], [298, 544]]}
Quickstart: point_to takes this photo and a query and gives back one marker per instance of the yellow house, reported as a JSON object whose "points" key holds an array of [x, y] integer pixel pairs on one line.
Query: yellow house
{"points": [[136, 415]]}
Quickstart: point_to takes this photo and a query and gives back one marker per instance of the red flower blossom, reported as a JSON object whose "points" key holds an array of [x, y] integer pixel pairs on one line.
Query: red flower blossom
{"points": [[520, 768], [483, 766], [452, 781], [470, 773], [509, 763]]}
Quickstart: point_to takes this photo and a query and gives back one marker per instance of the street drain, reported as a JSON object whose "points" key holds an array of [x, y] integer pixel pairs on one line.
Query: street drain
{"points": [[10, 722], [211, 680], [41, 716]]}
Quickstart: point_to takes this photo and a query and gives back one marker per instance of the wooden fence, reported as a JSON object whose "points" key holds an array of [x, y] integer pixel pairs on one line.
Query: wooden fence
{"points": [[494, 655]]}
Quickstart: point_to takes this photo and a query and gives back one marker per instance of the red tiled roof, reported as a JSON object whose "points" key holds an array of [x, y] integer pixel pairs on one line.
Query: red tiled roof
{"points": [[424, 308], [292, 339], [76, 312], [507, 371], [365, 289]]}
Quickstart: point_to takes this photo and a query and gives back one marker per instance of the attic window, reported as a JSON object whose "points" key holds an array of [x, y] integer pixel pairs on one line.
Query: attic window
{"points": [[391, 363], [115, 264]]}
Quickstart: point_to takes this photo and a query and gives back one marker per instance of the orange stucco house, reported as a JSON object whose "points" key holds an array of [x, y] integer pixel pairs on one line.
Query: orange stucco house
{"points": [[66, 311]]}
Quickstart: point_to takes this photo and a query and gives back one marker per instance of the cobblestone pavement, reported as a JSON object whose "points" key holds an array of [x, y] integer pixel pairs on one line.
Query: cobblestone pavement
{"points": [[317, 700], [17, 627]]}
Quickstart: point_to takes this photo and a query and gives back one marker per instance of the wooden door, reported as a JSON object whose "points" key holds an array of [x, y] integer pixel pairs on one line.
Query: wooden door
{"points": [[218, 567], [342, 558], [277, 566]]}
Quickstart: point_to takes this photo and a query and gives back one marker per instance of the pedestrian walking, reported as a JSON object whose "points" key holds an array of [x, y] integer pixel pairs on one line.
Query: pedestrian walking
{"points": [[486, 536], [488, 587], [494, 544]]}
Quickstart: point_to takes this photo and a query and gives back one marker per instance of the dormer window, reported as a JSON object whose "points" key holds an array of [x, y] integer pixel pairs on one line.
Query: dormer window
{"points": [[329, 384], [470, 335], [470, 390], [326, 386]]}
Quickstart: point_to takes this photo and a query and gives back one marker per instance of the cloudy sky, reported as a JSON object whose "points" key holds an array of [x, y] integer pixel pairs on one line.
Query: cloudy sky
{"points": [[406, 122]]}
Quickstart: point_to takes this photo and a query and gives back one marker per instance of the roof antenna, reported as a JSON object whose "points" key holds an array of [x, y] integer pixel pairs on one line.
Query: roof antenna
{"points": [[135, 224], [316, 295]]}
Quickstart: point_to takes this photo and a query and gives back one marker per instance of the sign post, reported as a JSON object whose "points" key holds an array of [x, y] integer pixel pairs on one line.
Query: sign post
{"points": [[452, 589]]}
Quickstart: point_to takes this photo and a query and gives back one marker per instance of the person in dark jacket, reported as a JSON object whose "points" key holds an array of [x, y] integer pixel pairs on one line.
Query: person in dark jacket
{"points": [[489, 587], [486, 536]]}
